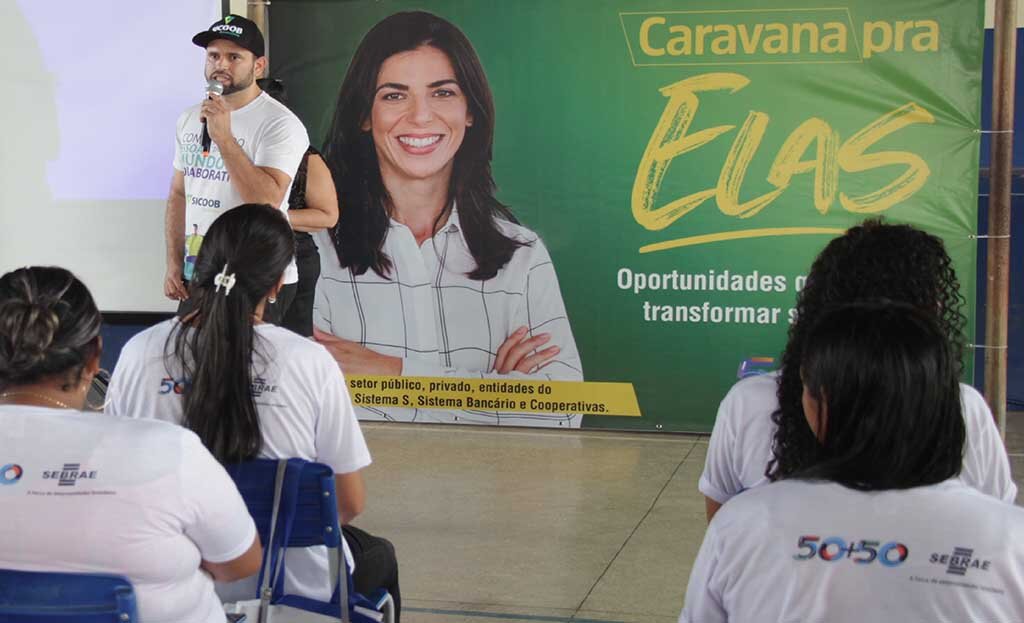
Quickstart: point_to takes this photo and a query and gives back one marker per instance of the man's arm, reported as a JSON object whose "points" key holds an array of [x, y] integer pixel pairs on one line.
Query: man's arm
{"points": [[351, 496], [255, 184], [174, 233], [711, 507]]}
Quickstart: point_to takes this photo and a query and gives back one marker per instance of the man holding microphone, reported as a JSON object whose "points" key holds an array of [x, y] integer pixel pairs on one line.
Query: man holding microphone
{"points": [[255, 146]]}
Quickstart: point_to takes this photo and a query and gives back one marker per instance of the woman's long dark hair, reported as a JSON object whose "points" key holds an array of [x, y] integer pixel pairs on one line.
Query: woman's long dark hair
{"points": [[871, 261], [352, 158], [215, 346], [49, 327], [887, 385]]}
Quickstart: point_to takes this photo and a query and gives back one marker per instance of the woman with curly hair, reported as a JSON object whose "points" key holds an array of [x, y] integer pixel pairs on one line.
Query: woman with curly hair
{"points": [[873, 260], [871, 523]]}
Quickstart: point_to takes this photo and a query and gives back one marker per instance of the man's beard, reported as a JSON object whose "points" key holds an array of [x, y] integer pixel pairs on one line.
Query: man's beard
{"points": [[235, 87]]}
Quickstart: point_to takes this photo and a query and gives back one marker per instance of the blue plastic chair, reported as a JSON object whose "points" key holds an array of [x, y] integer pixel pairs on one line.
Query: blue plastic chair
{"points": [[44, 597], [306, 515]]}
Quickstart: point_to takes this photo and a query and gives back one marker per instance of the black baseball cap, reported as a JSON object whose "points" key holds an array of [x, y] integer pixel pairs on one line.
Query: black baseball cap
{"points": [[236, 29]]}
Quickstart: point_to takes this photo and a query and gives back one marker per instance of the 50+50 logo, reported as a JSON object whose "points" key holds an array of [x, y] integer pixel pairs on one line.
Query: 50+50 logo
{"points": [[864, 552]]}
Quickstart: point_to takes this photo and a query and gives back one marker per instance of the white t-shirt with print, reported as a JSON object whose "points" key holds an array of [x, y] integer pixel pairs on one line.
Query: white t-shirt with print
{"points": [[304, 411], [90, 493], [741, 443], [269, 134], [817, 552], [442, 323]]}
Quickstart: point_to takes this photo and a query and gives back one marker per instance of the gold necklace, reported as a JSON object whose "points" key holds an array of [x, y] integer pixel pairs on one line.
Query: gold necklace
{"points": [[54, 401]]}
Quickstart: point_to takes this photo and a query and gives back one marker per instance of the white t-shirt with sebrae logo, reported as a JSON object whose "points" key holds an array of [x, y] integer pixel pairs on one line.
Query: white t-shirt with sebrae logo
{"points": [[269, 134], [90, 493], [304, 408], [741, 443], [817, 552]]}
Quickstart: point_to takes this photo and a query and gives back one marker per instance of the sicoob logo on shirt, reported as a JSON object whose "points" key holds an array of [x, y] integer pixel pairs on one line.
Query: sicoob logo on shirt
{"points": [[833, 549], [10, 474], [69, 475], [960, 561]]}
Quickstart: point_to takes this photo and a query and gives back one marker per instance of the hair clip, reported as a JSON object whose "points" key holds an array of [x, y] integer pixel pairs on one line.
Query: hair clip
{"points": [[224, 279]]}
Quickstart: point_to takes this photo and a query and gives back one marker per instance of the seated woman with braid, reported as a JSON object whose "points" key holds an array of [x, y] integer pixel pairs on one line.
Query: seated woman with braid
{"points": [[251, 389], [871, 521], [88, 493]]}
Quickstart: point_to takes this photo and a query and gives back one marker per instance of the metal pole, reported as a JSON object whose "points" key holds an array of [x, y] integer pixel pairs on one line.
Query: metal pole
{"points": [[997, 303], [259, 12]]}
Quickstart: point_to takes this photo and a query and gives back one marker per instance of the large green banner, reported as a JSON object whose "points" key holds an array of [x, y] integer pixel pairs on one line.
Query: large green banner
{"points": [[684, 161]]}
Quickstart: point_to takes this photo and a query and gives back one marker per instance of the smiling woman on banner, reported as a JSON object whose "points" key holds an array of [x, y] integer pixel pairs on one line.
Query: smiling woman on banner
{"points": [[426, 272]]}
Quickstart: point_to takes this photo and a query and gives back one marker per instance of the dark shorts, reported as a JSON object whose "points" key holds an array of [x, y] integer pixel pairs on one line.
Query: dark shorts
{"points": [[299, 317]]}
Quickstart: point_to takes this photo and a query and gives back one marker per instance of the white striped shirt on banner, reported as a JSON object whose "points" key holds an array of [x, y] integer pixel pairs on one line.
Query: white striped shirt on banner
{"points": [[442, 323]]}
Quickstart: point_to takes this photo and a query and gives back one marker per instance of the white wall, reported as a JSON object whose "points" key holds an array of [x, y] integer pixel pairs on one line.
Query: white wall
{"points": [[94, 92]]}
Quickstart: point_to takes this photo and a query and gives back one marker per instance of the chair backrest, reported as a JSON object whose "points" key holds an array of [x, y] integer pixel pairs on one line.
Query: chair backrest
{"points": [[308, 510], [35, 597], [307, 515], [309, 489]]}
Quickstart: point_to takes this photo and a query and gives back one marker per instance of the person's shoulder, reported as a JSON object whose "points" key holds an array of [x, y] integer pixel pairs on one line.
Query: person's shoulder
{"points": [[973, 402], [141, 434], [751, 399], [143, 341], [292, 346], [532, 253], [759, 387], [275, 111], [192, 112], [519, 232], [760, 505], [956, 495]]}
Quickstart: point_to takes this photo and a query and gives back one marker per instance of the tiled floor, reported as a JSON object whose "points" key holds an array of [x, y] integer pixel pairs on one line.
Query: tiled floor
{"points": [[543, 526]]}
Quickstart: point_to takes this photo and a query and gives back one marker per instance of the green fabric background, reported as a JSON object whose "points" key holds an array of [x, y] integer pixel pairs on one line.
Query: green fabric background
{"points": [[574, 116]]}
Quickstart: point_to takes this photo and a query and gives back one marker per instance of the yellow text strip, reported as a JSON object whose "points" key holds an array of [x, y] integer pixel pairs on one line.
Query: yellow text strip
{"points": [[509, 395]]}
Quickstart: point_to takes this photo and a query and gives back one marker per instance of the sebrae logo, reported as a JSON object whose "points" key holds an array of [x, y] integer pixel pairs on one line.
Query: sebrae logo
{"points": [[10, 474], [960, 561], [69, 475], [261, 386]]}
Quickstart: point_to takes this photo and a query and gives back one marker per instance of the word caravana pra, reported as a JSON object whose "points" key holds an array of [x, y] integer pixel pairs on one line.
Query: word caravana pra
{"points": [[659, 38]]}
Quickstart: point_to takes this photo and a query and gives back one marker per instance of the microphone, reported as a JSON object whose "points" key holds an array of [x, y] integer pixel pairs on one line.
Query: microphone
{"points": [[212, 86]]}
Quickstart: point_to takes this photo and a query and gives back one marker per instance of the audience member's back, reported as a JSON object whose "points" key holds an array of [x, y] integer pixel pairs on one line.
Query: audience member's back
{"points": [[873, 260], [875, 523], [137, 498], [250, 389], [86, 492]]}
